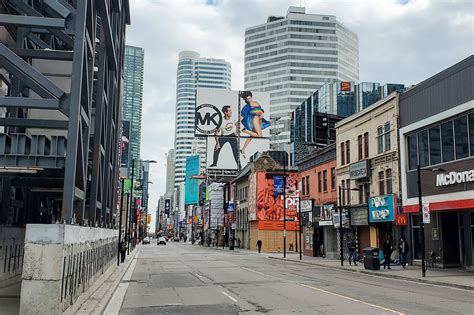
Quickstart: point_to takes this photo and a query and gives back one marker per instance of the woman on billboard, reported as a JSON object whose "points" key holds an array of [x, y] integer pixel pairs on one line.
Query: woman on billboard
{"points": [[252, 119]]}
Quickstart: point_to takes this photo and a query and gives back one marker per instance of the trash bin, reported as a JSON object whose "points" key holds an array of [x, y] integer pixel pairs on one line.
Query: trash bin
{"points": [[371, 258]]}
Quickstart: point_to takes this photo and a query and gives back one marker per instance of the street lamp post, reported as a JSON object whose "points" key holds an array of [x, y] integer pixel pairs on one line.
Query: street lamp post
{"points": [[341, 243], [120, 222], [284, 206], [422, 224]]}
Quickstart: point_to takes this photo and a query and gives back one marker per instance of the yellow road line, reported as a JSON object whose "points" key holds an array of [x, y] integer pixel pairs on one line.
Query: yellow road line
{"points": [[352, 299]]}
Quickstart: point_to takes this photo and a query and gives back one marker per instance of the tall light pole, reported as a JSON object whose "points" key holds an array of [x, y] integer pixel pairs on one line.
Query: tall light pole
{"points": [[341, 243], [420, 205], [284, 206]]}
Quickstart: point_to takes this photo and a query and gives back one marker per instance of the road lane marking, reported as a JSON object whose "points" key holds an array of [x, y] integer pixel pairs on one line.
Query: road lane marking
{"points": [[352, 299], [230, 297], [115, 303]]}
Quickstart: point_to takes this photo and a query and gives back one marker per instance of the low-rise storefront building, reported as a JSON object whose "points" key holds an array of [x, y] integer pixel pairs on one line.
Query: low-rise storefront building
{"points": [[437, 145]]}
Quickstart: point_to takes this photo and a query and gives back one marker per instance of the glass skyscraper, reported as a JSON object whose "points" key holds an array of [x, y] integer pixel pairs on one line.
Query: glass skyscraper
{"points": [[293, 56], [133, 100], [194, 72]]}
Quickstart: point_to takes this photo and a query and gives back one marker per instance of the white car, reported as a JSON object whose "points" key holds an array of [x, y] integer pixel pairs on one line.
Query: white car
{"points": [[146, 240], [161, 240]]}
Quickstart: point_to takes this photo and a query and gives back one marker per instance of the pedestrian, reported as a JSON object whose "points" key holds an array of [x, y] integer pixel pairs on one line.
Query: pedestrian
{"points": [[185, 238], [238, 242], [321, 251], [387, 253], [123, 250], [351, 246], [259, 245], [403, 250]]}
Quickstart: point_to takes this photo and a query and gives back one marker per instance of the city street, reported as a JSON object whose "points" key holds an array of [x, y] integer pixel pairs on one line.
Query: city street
{"points": [[189, 279]]}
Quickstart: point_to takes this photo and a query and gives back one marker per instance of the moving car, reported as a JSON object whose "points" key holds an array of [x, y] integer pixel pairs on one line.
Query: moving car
{"points": [[161, 240], [146, 240]]}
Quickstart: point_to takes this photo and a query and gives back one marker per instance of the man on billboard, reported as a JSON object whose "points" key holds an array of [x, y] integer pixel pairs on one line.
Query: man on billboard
{"points": [[226, 134]]}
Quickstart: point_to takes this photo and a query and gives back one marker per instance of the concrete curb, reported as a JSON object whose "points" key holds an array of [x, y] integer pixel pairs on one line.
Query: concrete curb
{"points": [[425, 281]]}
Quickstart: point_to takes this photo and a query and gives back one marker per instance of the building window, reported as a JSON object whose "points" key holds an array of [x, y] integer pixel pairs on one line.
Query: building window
{"points": [[303, 186], [412, 152], [343, 154], [348, 151], [343, 195], [359, 145], [361, 194], [307, 185], [348, 190], [381, 183], [320, 184], [366, 144], [448, 141], [471, 134], [325, 180], [388, 177], [423, 156], [379, 140], [333, 178], [387, 136], [435, 145], [461, 137]]}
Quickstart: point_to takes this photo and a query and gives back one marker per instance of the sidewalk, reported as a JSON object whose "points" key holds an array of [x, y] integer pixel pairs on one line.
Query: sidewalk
{"points": [[456, 278]]}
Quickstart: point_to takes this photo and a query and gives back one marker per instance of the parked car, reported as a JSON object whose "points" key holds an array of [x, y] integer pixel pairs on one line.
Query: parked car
{"points": [[146, 240], [161, 240]]}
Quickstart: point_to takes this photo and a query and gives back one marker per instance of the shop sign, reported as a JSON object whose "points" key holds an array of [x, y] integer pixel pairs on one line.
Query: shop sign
{"points": [[230, 206], [382, 208], [306, 205], [326, 215], [426, 211], [359, 216], [359, 169], [402, 219], [345, 218], [454, 178], [345, 86]]}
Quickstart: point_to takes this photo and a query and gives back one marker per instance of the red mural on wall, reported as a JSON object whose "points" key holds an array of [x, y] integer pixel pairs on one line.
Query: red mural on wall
{"points": [[270, 207]]}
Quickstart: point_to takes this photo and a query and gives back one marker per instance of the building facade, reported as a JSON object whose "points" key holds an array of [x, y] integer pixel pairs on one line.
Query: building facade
{"points": [[133, 99], [437, 135], [317, 174], [170, 172], [193, 72], [367, 173], [293, 56]]}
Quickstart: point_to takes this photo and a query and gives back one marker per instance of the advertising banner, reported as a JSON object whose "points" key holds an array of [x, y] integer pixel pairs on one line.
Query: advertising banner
{"points": [[269, 206], [167, 206], [336, 219], [426, 211], [382, 208], [306, 205], [236, 124], [191, 186], [127, 185], [326, 215], [125, 148], [278, 185]]}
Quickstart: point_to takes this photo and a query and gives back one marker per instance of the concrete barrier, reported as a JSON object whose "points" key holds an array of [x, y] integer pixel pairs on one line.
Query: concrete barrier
{"points": [[61, 262], [11, 254]]}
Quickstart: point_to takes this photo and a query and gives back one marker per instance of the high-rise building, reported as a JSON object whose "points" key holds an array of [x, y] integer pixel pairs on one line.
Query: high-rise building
{"points": [[170, 172], [133, 100], [193, 72], [293, 56]]}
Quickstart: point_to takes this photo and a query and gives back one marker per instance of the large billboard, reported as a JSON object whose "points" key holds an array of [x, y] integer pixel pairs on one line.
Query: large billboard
{"points": [[191, 190], [236, 124]]}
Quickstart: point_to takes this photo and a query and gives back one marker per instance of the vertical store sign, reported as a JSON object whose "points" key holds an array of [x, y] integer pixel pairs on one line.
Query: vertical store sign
{"points": [[167, 206], [425, 211]]}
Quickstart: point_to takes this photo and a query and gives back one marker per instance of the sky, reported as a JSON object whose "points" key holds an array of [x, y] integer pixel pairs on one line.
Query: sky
{"points": [[400, 41]]}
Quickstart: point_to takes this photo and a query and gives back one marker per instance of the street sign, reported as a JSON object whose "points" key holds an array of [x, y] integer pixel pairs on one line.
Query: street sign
{"points": [[425, 211]]}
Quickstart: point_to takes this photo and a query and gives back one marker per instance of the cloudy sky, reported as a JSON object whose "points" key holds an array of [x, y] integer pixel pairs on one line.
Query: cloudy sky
{"points": [[400, 41]]}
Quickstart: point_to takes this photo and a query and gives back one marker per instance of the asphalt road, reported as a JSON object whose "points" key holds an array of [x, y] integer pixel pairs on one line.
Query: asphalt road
{"points": [[187, 279]]}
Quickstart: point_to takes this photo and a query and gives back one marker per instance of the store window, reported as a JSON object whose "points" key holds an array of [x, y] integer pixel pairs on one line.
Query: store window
{"points": [[388, 177], [416, 233], [423, 156], [471, 134], [381, 183], [448, 141], [435, 145], [461, 137]]}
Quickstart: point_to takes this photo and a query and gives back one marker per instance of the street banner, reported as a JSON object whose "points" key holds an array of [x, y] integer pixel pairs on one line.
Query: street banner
{"points": [[127, 185], [148, 219], [426, 211], [191, 186], [278, 182], [167, 206]]}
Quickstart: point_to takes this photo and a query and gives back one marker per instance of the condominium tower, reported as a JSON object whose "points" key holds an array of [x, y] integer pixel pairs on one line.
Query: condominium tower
{"points": [[133, 100], [293, 56], [193, 72]]}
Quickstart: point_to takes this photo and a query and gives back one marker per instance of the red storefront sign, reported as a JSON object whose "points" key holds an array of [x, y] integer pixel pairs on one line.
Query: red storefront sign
{"points": [[345, 86]]}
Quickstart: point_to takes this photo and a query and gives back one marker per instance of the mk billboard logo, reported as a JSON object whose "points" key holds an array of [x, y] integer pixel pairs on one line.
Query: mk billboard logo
{"points": [[208, 119]]}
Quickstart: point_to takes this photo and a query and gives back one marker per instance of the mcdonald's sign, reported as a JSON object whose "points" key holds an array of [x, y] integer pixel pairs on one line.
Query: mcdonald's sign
{"points": [[402, 219]]}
